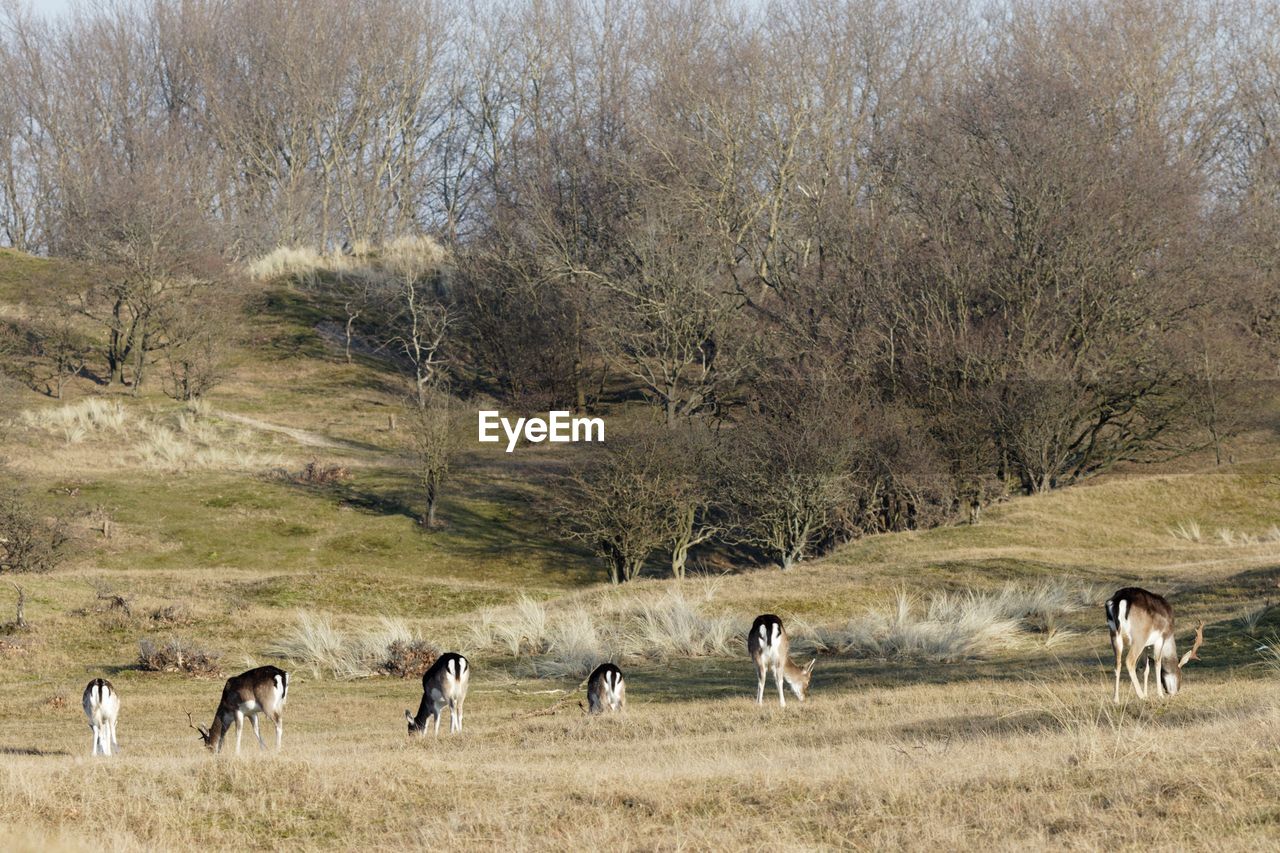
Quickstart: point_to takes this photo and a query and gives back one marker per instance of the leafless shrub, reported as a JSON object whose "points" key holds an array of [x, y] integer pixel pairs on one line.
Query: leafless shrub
{"points": [[29, 540], [176, 654], [173, 615], [408, 658], [314, 473]]}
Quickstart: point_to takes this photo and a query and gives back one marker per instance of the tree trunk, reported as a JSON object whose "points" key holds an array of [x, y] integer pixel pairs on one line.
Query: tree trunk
{"points": [[679, 556], [21, 619], [429, 517]]}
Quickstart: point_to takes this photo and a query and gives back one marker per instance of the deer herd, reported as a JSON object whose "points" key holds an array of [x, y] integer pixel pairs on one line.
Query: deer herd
{"points": [[1136, 619]]}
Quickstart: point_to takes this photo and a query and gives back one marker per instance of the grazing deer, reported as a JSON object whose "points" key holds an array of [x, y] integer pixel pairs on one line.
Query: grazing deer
{"points": [[101, 705], [770, 648], [606, 691], [258, 691], [1143, 619], [444, 685]]}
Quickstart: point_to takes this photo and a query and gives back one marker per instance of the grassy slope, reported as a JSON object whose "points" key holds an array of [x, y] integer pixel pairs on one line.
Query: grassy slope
{"points": [[1023, 747]]}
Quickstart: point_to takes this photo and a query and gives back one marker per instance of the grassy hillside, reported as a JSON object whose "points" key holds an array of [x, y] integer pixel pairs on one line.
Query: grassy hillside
{"points": [[962, 695]]}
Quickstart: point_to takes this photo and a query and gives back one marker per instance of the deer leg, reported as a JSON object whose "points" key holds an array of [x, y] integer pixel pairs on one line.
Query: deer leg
{"points": [[1117, 643], [777, 679], [762, 673], [279, 721], [115, 747], [262, 745], [1131, 663], [97, 740], [437, 712], [1159, 679], [460, 701], [239, 729], [1146, 671]]}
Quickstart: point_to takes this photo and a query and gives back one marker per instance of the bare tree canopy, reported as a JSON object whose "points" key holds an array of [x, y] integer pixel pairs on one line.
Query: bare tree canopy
{"points": [[1002, 246]]}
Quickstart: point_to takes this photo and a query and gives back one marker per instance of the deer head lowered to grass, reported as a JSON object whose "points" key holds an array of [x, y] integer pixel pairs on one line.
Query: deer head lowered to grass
{"points": [[1140, 620]]}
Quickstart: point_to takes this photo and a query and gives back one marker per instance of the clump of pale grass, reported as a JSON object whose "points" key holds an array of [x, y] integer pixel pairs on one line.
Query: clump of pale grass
{"points": [[941, 626], [572, 641], [1270, 651], [182, 440], [1232, 538], [1190, 531], [77, 421], [1251, 618], [294, 262], [952, 626], [674, 626], [409, 252], [574, 645], [519, 629], [191, 444], [391, 647]]}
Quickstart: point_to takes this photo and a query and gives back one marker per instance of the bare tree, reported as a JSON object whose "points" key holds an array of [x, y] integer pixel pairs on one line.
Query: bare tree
{"points": [[418, 312], [29, 542], [791, 466], [61, 344], [151, 248], [432, 444], [618, 506], [673, 326]]}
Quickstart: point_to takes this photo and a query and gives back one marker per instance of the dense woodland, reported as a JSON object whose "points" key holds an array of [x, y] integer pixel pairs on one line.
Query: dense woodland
{"points": [[871, 264]]}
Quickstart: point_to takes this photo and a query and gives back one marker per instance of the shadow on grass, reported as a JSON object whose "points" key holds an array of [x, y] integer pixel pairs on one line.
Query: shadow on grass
{"points": [[33, 751]]}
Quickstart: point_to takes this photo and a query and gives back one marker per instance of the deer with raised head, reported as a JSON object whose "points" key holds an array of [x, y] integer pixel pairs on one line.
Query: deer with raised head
{"points": [[101, 705], [249, 694], [770, 648], [444, 685], [1141, 620], [606, 690]]}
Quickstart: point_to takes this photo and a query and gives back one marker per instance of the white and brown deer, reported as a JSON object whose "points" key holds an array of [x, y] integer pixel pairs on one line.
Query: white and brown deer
{"points": [[606, 690], [249, 694], [1140, 620], [101, 706], [770, 648], [444, 685]]}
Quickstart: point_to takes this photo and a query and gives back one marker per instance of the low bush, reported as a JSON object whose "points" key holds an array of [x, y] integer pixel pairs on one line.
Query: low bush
{"points": [[176, 654], [29, 541]]}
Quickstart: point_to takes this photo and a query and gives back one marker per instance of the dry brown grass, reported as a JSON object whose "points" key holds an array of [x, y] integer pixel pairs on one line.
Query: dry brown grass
{"points": [[993, 763]]}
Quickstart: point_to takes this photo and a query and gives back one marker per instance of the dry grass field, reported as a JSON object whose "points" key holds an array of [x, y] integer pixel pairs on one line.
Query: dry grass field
{"points": [[961, 699]]}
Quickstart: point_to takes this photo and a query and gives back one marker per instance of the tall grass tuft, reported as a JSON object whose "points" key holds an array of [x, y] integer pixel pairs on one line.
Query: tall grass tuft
{"points": [[574, 645], [572, 641], [1188, 530], [1270, 651], [949, 626], [391, 647], [77, 421], [674, 626], [307, 264]]}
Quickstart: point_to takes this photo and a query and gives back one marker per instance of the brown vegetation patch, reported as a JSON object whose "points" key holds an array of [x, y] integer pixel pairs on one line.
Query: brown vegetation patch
{"points": [[177, 655]]}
